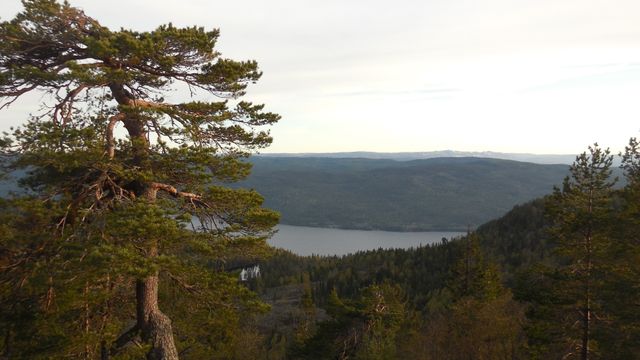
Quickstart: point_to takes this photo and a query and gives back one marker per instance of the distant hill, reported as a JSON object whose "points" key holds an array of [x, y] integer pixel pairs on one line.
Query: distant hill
{"points": [[384, 194], [428, 194], [405, 156]]}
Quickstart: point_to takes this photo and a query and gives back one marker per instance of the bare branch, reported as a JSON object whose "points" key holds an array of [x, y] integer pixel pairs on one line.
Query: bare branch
{"points": [[111, 144], [65, 106], [195, 199], [187, 287], [13, 95]]}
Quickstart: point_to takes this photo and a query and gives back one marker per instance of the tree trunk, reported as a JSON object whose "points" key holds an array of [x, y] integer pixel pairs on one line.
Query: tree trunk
{"points": [[154, 326], [586, 314]]}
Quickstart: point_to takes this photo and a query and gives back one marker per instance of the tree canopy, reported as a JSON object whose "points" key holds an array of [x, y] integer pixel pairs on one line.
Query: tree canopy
{"points": [[118, 178]]}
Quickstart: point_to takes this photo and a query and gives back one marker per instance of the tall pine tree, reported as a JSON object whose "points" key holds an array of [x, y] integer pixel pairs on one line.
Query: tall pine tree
{"points": [[621, 336], [581, 211], [115, 175]]}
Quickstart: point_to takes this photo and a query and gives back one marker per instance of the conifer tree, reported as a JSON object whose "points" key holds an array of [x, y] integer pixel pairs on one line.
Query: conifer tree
{"points": [[472, 275], [477, 317], [581, 211], [621, 336], [115, 175]]}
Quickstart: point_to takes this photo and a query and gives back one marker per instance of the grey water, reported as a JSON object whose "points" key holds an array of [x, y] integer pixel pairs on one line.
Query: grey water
{"points": [[305, 241]]}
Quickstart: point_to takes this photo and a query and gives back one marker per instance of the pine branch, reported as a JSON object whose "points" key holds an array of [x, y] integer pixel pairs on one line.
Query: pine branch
{"points": [[195, 199]]}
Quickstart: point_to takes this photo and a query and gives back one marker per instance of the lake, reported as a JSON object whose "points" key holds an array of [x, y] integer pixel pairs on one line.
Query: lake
{"points": [[304, 240]]}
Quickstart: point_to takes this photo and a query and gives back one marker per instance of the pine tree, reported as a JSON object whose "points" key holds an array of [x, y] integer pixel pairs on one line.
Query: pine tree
{"points": [[116, 173], [473, 276], [621, 335], [581, 211], [474, 317], [307, 312]]}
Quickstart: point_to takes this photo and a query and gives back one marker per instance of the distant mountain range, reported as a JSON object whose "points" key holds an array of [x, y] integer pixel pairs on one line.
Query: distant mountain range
{"points": [[407, 156], [440, 193]]}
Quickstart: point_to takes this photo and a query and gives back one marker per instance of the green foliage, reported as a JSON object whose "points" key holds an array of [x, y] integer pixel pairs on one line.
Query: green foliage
{"points": [[384, 309], [110, 213], [475, 316], [472, 276], [366, 328], [426, 288], [620, 338], [56, 295], [466, 311], [473, 329], [582, 211], [519, 239], [107, 214], [418, 271], [580, 301]]}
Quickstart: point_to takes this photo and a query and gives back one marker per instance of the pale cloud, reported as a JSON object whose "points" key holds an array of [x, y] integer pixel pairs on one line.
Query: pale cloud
{"points": [[542, 76]]}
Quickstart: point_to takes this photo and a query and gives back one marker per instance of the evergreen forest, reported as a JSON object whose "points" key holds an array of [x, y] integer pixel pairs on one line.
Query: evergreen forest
{"points": [[136, 222], [447, 193]]}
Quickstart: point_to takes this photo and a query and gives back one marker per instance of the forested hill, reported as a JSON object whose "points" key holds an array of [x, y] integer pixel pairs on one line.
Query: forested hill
{"points": [[404, 156], [427, 194], [358, 193], [425, 277]]}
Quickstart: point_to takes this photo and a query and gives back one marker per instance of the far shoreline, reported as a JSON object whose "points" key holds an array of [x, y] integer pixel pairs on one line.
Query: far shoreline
{"points": [[383, 229]]}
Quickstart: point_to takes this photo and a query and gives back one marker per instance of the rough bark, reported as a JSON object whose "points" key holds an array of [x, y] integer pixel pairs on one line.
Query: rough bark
{"points": [[586, 314], [586, 327], [154, 326]]}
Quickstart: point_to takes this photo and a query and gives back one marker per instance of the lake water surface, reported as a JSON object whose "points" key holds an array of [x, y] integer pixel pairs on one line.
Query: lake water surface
{"points": [[304, 240]]}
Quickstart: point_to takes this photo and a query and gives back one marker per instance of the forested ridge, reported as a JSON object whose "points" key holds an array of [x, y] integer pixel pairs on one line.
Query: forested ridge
{"points": [[419, 195], [448, 193], [529, 285], [100, 256], [405, 156]]}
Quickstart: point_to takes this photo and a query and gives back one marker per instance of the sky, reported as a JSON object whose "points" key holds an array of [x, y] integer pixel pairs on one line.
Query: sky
{"points": [[526, 76]]}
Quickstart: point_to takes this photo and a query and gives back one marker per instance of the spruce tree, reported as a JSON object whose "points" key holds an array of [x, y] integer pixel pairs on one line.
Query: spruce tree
{"points": [[115, 175]]}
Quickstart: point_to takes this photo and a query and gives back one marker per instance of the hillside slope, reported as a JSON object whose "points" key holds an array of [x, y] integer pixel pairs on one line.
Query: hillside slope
{"points": [[385, 194], [428, 194]]}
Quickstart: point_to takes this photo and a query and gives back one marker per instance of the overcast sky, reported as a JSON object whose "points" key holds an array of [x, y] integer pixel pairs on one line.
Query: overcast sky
{"points": [[539, 76]]}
